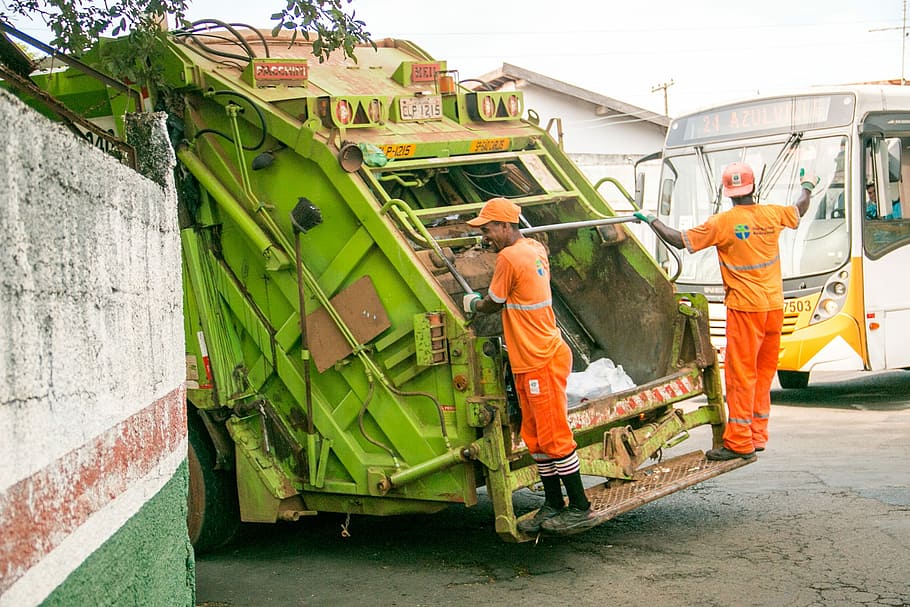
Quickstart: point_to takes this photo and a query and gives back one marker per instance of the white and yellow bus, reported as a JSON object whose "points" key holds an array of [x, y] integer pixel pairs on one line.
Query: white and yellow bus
{"points": [[846, 269]]}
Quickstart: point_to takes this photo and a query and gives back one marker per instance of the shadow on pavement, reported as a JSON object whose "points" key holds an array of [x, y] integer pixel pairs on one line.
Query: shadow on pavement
{"points": [[885, 391]]}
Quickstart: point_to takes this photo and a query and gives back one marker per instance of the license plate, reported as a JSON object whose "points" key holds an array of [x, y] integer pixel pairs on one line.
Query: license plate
{"points": [[797, 306], [420, 108], [400, 150], [490, 145]]}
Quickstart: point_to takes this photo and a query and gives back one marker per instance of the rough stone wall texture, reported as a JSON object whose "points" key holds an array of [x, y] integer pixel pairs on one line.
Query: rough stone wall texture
{"points": [[92, 416]]}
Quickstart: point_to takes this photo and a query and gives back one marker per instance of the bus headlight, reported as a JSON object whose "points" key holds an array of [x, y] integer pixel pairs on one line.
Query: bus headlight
{"points": [[833, 297], [828, 306]]}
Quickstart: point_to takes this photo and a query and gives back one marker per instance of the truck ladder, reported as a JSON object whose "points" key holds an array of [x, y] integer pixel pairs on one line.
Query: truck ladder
{"points": [[614, 497]]}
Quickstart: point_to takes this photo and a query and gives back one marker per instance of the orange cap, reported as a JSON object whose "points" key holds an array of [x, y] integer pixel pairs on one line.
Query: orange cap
{"points": [[738, 179], [497, 209]]}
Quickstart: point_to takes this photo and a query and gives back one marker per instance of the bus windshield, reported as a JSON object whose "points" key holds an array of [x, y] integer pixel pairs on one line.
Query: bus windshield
{"points": [[690, 193]]}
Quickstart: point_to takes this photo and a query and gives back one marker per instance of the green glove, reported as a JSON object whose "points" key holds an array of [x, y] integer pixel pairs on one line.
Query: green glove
{"points": [[808, 181], [469, 302], [647, 218]]}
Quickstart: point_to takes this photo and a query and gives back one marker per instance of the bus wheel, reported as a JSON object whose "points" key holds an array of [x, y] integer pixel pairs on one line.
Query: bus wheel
{"points": [[793, 380], [213, 516]]}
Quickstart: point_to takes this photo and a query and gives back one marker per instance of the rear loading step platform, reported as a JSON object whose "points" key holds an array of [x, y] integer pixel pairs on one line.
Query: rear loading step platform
{"points": [[615, 497]]}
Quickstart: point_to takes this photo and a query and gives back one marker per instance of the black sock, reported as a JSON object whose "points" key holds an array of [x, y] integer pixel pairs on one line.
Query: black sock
{"points": [[575, 489], [568, 469], [552, 491], [549, 477]]}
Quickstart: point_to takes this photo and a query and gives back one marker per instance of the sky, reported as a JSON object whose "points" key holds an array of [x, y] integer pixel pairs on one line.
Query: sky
{"points": [[711, 51]]}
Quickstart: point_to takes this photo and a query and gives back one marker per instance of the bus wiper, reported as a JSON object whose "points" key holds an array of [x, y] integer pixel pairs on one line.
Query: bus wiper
{"points": [[777, 167], [708, 176]]}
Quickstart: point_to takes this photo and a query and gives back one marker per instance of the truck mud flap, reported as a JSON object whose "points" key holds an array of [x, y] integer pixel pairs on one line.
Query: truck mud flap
{"points": [[615, 497]]}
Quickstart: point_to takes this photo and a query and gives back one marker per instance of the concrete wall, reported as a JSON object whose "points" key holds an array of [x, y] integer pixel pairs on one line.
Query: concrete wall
{"points": [[92, 421]]}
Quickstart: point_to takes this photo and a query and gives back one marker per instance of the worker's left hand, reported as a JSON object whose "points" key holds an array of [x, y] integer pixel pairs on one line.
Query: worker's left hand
{"points": [[646, 217], [808, 181], [469, 302]]}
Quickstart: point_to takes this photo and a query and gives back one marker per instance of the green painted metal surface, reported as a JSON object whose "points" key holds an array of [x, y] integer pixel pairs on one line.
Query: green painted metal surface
{"points": [[397, 402]]}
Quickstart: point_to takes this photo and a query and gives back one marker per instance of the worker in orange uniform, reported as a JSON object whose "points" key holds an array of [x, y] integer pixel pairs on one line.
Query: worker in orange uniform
{"points": [[541, 362], [746, 238]]}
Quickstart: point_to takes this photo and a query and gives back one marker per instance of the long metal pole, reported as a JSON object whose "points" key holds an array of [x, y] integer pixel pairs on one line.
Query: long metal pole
{"points": [[574, 225]]}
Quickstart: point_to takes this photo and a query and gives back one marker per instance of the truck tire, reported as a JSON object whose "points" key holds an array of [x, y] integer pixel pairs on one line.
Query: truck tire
{"points": [[213, 516], [793, 380]]}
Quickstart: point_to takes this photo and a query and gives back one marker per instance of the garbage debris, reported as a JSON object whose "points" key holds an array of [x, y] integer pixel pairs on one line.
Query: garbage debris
{"points": [[601, 378]]}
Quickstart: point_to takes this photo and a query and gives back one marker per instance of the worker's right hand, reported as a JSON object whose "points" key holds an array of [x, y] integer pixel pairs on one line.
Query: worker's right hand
{"points": [[646, 217], [469, 302]]}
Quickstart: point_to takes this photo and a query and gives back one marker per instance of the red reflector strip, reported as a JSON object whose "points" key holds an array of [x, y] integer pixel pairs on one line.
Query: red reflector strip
{"points": [[607, 409]]}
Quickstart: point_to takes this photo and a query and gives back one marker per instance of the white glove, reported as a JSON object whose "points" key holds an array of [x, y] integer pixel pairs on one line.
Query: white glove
{"points": [[469, 302]]}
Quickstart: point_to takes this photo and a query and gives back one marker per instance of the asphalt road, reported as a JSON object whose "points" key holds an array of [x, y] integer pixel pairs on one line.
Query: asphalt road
{"points": [[822, 519]]}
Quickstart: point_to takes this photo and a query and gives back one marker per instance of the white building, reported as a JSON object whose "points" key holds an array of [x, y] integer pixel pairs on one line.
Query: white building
{"points": [[602, 135]]}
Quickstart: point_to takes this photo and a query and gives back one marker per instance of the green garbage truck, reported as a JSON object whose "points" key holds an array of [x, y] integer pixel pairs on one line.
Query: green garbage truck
{"points": [[323, 208]]}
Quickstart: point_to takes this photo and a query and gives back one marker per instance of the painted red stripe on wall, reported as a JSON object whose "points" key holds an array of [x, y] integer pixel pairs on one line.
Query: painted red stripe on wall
{"points": [[39, 512]]}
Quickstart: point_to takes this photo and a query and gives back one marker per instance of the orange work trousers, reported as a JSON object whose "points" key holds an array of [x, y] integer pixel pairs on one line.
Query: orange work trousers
{"points": [[544, 407], [753, 349]]}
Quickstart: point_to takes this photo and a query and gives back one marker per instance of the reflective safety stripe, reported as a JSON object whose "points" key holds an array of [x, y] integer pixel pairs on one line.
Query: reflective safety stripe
{"points": [[537, 306], [545, 465], [568, 465], [762, 415], [736, 420], [753, 267]]}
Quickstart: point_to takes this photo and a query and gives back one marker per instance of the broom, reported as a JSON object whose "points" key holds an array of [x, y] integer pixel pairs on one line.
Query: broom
{"points": [[305, 216]]}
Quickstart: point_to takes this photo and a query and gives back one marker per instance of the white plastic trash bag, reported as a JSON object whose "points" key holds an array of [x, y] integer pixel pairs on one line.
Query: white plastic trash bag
{"points": [[601, 378]]}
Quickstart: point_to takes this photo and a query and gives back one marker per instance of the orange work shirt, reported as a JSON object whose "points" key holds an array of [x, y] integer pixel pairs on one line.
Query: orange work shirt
{"points": [[521, 281], [746, 238]]}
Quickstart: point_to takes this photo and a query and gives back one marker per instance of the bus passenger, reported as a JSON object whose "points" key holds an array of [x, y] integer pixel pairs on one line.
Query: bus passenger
{"points": [[871, 202], [746, 237], [872, 206]]}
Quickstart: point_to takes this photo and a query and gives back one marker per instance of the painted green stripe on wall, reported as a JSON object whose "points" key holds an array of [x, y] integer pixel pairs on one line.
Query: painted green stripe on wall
{"points": [[147, 563]]}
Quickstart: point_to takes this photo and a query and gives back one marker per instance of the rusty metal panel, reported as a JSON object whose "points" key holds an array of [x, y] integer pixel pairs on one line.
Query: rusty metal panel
{"points": [[361, 310]]}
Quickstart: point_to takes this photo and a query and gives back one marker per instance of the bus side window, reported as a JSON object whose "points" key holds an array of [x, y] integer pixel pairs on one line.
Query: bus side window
{"points": [[888, 168], [903, 190]]}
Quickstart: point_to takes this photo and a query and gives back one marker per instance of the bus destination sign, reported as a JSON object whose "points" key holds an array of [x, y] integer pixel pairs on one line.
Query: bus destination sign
{"points": [[781, 115]]}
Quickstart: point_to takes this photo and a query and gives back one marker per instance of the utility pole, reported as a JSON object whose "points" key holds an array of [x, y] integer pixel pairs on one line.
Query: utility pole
{"points": [[903, 29], [663, 87]]}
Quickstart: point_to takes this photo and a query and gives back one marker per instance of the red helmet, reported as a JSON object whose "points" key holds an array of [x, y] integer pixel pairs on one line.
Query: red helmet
{"points": [[738, 179]]}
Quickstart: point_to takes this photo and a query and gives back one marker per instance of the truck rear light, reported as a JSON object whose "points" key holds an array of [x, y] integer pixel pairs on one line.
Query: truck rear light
{"points": [[488, 107], [374, 110], [513, 106], [343, 111]]}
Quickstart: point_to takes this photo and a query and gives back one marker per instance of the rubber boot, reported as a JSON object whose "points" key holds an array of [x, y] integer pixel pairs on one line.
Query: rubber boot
{"points": [[553, 505], [578, 516]]}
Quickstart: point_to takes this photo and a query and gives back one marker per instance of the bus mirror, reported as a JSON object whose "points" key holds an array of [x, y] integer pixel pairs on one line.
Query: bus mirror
{"points": [[666, 195], [639, 190]]}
